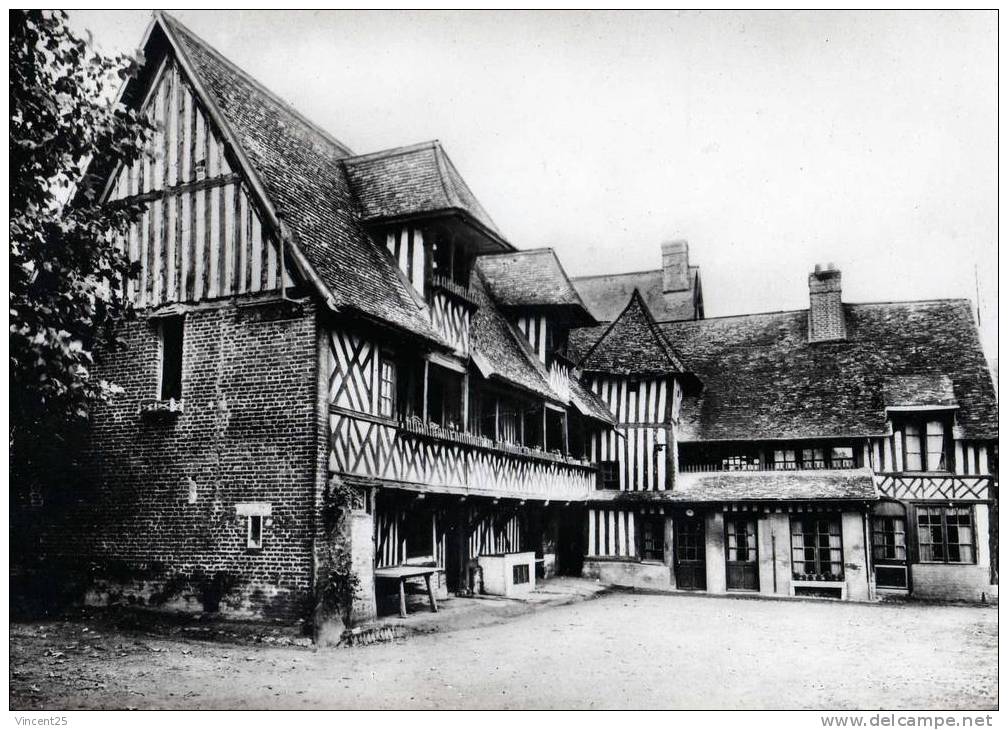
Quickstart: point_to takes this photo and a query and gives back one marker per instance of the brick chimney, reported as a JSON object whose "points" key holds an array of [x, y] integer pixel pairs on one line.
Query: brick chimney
{"points": [[826, 315], [675, 265]]}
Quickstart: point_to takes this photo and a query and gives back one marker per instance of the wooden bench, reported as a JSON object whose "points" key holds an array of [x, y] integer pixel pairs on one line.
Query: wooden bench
{"points": [[402, 573]]}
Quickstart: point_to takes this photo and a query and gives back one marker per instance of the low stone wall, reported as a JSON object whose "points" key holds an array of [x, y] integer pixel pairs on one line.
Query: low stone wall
{"points": [[628, 573]]}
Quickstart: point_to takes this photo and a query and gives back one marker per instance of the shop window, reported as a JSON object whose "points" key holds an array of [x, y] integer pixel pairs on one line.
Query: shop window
{"points": [[609, 474], [945, 534], [652, 538], [888, 538], [172, 332], [816, 549], [444, 397]]}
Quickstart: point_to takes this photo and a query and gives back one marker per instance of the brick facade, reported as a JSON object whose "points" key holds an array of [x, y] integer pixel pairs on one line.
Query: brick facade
{"points": [[164, 488]]}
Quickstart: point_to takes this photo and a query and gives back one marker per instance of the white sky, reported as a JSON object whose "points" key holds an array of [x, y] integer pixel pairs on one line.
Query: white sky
{"points": [[771, 141]]}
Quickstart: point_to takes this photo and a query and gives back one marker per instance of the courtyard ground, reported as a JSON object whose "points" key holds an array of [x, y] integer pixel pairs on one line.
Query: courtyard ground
{"points": [[620, 650]]}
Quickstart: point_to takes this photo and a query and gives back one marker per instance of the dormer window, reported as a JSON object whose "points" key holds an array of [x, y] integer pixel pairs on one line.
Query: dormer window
{"points": [[925, 438]]}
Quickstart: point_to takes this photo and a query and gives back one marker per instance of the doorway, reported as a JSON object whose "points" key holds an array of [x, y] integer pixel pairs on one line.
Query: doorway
{"points": [[690, 554], [741, 566]]}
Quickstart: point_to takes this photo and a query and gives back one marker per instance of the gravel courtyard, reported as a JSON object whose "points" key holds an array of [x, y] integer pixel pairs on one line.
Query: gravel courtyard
{"points": [[618, 651]]}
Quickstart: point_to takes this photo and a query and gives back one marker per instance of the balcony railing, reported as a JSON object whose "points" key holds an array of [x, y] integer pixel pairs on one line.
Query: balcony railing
{"points": [[427, 455], [805, 466], [440, 282]]}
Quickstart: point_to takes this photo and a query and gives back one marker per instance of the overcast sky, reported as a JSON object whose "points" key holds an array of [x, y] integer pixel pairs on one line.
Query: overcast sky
{"points": [[771, 141]]}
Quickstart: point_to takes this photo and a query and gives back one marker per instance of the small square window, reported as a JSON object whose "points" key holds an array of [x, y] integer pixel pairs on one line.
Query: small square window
{"points": [[254, 537], [609, 474]]}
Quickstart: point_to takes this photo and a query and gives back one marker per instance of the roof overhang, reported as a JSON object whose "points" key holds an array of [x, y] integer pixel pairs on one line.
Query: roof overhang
{"points": [[495, 243]]}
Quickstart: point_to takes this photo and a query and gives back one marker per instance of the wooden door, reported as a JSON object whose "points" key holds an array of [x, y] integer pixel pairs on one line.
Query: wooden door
{"points": [[690, 550], [889, 546], [741, 566]]}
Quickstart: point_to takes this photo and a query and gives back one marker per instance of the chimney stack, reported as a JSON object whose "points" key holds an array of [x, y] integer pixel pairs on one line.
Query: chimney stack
{"points": [[826, 315], [675, 265]]}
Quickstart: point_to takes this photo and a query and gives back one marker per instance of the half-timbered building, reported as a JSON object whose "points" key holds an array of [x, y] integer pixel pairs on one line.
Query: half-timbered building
{"points": [[312, 321]]}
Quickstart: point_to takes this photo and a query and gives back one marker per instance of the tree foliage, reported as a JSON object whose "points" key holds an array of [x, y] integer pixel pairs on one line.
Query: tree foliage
{"points": [[66, 132]]}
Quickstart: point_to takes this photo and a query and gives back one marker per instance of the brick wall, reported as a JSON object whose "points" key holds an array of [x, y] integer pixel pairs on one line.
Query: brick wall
{"points": [[160, 493]]}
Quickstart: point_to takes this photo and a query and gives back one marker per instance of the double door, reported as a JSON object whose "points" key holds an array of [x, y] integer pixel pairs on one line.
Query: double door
{"points": [[741, 566], [690, 554]]}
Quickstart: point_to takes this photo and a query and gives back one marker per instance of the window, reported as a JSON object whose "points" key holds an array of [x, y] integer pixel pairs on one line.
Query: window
{"points": [[945, 534], [556, 430], [842, 457], [387, 387], [533, 427], [444, 397], [816, 550], [785, 459], [888, 538], [813, 459], [741, 541], [740, 463], [924, 445], [653, 538], [609, 475], [509, 428], [254, 533], [519, 574], [171, 357]]}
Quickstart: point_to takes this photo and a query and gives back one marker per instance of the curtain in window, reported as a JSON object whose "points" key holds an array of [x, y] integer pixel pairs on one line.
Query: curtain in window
{"points": [[912, 447], [935, 446]]}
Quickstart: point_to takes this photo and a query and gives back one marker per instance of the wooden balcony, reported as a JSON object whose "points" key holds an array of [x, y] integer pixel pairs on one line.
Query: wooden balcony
{"points": [[715, 468], [934, 485], [452, 288], [421, 455]]}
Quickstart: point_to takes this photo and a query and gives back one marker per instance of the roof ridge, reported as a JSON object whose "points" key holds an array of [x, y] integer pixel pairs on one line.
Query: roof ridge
{"points": [[623, 273], [392, 151], [670, 352], [172, 20], [541, 249]]}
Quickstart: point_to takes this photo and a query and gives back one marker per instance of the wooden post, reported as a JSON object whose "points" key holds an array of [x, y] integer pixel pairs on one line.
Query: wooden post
{"points": [[426, 376], [402, 597], [430, 593], [465, 401], [497, 435], [566, 442]]}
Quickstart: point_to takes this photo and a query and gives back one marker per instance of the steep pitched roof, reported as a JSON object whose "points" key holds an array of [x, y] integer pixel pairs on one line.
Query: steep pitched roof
{"points": [[499, 351], [410, 181], [924, 390], [763, 380], [632, 345], [766, 486], [298, 165], [531, 278], [588, 403], [606, 295]]}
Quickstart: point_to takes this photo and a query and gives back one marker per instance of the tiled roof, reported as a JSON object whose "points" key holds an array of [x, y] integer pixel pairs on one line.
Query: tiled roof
{"points": [[410, 181], [632, 345], [532, 278], [919, 391], [588, 403], [499, 348], [607, 295], [759, 486], [299, 166], [763, 380]]}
